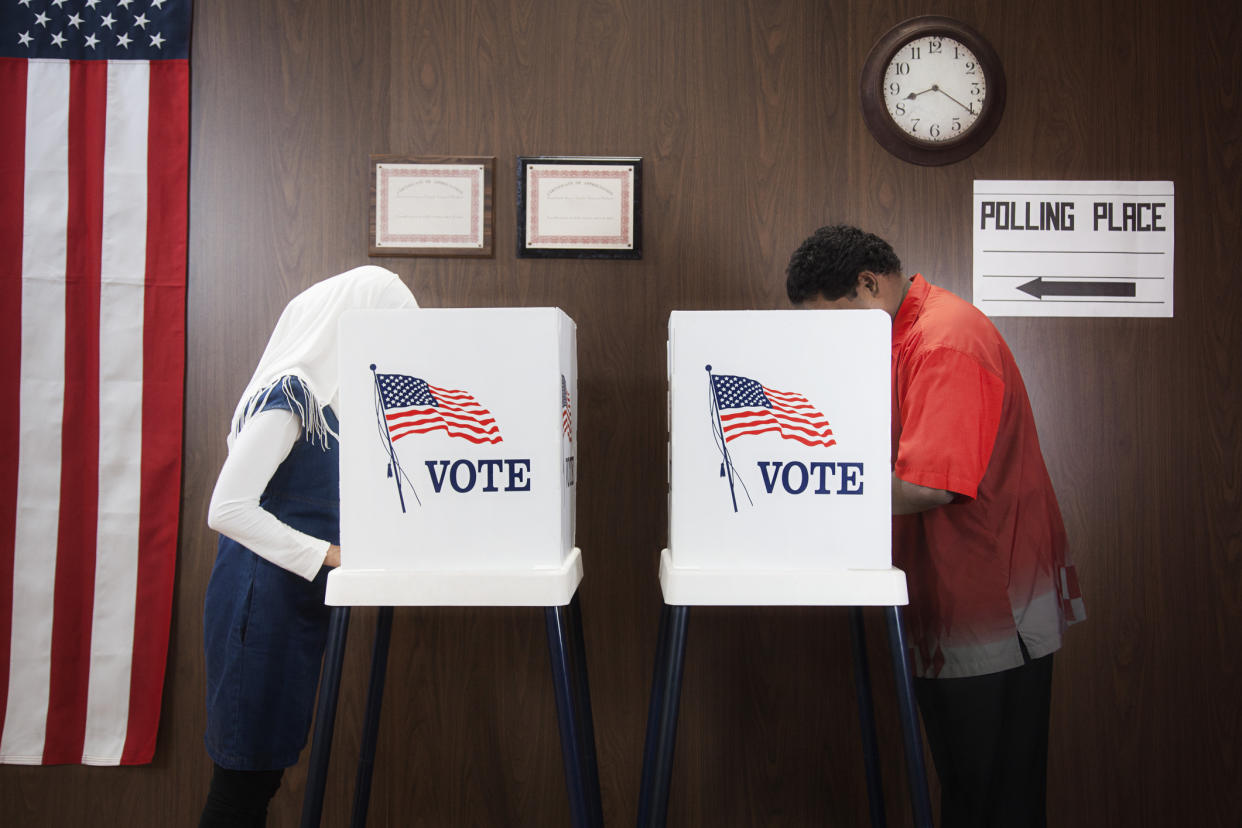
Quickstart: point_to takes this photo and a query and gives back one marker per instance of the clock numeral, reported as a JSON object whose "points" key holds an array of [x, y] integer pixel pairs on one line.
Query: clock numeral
{"points": [[957, 124], [901, 69], [934, 131], [894, 89], [970, 67], [935, 47], [976, 88], [915, 126], [915, 53], [901, 109]]}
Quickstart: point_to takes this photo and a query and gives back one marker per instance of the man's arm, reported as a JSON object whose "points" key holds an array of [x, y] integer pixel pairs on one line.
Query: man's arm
{"points": [[909, 498]]}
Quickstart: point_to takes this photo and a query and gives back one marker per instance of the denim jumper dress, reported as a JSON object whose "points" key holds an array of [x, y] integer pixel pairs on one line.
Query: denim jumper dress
{"points": [[264, 628]]}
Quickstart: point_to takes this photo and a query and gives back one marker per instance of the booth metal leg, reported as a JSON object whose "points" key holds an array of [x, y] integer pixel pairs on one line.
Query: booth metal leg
{"points": [[662, 717], [586, 719], [325, 717], [370, 726], [920, 802], [866, 718], [577, 735]]}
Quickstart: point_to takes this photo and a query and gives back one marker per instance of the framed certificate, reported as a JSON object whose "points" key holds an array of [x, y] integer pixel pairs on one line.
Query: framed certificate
{"points": [[431, 206], [579, 207]]}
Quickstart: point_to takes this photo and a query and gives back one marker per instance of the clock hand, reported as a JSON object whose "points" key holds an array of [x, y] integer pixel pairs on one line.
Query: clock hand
{"points": [[913, 95], [936, 88]]}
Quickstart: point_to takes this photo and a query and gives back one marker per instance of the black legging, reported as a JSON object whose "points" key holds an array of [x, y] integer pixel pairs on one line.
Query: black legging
{"points": [[238, 799]]}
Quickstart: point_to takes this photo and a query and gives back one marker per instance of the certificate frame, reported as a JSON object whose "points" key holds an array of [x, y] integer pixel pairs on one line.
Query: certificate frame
{"points": [[461, 182], [603, 220]]}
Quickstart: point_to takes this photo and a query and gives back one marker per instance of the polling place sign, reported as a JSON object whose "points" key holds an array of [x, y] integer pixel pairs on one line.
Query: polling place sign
{"points": [[1073, 248]]}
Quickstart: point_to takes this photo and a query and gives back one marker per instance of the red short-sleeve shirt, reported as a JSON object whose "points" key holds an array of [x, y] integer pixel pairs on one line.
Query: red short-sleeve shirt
{"points": [[991, 566]]}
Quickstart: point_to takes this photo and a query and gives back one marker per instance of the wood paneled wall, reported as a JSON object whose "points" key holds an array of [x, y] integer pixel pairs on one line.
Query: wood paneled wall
{"points": [[746, 114]]}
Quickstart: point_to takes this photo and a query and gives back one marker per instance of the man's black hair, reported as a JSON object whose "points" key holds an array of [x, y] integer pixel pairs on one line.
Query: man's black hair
{"points": [[828, 263]]}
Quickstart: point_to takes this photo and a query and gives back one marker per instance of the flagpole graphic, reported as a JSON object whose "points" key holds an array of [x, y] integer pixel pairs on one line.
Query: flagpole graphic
{"points": [[726, 466], [394, 465]]}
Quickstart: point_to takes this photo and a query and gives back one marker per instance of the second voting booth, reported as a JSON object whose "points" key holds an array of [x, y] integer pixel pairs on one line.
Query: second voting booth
{"points": [[458, 430], [779, 494]]}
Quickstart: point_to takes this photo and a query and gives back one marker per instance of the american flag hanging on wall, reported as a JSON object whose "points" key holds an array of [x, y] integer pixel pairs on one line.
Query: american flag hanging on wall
{"points": [[94, 136]]}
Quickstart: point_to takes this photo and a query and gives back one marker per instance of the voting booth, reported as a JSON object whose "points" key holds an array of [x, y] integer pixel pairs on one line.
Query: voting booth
{"points": [[458, 435], [457, 458], [779, 467], [779, 494]]}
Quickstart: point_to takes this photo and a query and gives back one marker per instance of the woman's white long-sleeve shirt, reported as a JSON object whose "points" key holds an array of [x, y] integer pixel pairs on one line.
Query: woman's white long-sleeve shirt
{"points": [[263, 444]]}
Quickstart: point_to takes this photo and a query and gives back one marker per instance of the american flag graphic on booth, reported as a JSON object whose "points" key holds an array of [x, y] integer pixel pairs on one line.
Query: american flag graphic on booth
{"points": [[412, 406], [94, 156], [567, 414], [747, 407]]}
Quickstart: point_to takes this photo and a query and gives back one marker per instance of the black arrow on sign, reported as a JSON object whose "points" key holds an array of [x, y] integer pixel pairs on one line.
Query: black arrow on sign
{"points": [[1038, 288]]}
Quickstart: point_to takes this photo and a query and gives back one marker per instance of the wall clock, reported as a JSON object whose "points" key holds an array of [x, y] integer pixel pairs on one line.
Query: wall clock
{"points": [[932, 90]]}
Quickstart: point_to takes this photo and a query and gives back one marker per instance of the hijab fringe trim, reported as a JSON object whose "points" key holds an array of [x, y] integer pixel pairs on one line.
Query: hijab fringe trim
{"points": [[302, 402]]}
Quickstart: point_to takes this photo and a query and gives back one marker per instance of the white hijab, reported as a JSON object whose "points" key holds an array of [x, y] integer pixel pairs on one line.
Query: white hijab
{"points": [[304, 343]]}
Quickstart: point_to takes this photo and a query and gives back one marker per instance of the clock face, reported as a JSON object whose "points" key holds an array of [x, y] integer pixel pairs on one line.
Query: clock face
{"points": [[934, 89]]}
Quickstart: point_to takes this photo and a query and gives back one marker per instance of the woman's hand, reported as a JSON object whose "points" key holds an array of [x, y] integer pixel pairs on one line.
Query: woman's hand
{"points": [[333, 558]]}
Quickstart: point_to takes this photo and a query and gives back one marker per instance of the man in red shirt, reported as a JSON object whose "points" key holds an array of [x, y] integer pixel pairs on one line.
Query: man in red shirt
{"points": [[976, 528]]}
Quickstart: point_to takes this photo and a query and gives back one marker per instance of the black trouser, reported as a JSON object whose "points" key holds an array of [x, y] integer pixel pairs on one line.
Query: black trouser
{"points": [[238, 799], [989, 740]]}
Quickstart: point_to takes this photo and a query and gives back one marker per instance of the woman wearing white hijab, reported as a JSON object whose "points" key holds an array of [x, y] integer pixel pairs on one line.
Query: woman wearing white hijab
{"points": [[276, 507]]}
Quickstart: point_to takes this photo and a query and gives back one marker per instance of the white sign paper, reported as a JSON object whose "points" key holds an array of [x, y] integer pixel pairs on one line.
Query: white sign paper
{"points": [[429, 205], [589, 206], [1073, 248]]}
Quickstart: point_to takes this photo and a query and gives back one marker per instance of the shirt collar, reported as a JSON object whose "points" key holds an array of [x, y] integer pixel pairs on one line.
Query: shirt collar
{"points": [[911, 307]]}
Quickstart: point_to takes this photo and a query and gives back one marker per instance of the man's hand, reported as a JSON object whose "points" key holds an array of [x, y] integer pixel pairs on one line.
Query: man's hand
{"points": [[909, 498]]}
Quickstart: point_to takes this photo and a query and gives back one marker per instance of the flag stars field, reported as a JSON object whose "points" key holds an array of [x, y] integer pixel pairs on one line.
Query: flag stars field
{"points": [[64, 29]]}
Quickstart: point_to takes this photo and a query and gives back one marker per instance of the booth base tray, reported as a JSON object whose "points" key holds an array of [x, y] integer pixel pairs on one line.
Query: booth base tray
{"points": [[456, 588], [780, 587]]}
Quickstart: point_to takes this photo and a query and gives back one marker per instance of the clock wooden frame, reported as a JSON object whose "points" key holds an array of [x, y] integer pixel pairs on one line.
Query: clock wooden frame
{"points": [[892, 137]]}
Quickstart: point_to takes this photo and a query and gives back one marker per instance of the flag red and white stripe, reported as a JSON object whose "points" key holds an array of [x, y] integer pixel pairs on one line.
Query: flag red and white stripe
{"points": [[567, 415], [790, 415], [409, 405], [747, 407], [456, 413], [93, 218]]}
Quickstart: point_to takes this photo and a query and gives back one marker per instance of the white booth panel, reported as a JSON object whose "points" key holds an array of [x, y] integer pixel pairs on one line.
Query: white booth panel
{"points": [[458, 432], [779, 457]]}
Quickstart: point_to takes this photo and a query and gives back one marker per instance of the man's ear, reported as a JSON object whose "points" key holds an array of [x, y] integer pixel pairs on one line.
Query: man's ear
{"points": [[869, 283]]}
